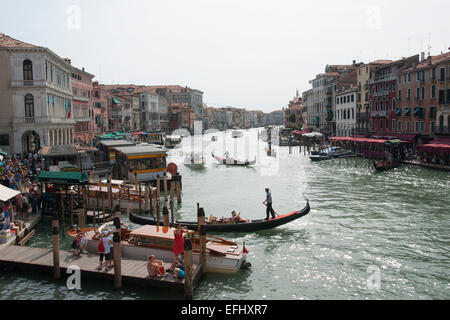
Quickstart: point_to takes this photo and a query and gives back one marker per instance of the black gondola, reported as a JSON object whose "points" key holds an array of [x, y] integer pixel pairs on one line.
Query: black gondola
{"points": [[384, 166], [253, 225]]}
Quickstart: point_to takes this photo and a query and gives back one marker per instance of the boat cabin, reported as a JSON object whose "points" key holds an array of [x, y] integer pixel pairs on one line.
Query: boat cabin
{"points": [[142, 160], [108, 148]]}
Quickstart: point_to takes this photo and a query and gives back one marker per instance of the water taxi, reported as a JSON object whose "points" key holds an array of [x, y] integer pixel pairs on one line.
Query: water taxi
{"points": [[222, 256], [172, 141]]}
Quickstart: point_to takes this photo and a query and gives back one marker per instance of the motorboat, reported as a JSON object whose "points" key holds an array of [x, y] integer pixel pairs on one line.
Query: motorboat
{"points": [[195, 161], [222, 256]]}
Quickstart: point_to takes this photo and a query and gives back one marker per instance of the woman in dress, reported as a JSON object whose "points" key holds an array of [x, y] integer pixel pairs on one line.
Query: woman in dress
{"points": [[178, 243]]}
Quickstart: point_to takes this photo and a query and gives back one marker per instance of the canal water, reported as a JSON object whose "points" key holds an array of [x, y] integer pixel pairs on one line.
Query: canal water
{"points": [[368, 235]]}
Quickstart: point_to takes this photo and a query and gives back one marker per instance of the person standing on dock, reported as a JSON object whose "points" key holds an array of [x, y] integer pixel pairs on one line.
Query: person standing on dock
{"points": [[178, 243], [268, 203]]}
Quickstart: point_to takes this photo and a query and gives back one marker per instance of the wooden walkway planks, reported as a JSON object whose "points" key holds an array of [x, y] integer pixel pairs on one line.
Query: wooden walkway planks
{"points": [[133, 271]]}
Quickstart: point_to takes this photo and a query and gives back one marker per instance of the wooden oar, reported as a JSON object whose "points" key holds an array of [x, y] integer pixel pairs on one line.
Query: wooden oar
{"points": [[272, 209]]}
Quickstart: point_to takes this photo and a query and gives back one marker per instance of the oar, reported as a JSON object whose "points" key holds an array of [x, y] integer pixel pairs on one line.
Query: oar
{"points": [[273, 210]]}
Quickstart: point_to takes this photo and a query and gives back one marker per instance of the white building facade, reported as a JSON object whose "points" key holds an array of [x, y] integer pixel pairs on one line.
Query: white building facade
{"points": [[35, 97], [346, 112]]}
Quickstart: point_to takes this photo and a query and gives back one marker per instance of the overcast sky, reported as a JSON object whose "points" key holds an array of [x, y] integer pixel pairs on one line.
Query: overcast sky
{"points": [[244, 53]]}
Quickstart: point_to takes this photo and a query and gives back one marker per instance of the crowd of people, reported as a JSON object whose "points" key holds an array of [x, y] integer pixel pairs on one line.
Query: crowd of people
{"points": [[17, 173]]}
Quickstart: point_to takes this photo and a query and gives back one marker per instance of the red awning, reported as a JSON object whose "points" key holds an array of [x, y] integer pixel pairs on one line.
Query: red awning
{"points": [[441, 140], [435, 148], [359, 140], [297, 132]]}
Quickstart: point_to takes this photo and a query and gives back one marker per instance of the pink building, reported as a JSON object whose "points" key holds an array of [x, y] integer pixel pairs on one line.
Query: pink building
{"points": [[100, 103], [83, 110]]}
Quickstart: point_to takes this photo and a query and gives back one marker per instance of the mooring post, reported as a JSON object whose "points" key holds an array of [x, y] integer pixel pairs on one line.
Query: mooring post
{"points": [[110, 196], [71, 208], [147, 194], [188, 288], [177, 184], [158, 188], [55, 237], [165, 212], [140, 197], [200, 217], [165, 186], [203, 247], [117, 250]]}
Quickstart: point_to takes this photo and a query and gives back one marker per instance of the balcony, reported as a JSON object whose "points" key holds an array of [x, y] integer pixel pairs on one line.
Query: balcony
{"points": [[380, 94], [27, 83], [379, 113], [29, 120], [362, 115], [383, 78]]}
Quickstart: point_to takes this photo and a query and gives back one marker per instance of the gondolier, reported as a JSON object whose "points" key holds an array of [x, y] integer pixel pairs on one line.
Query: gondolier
{"points": [[268, 203]]}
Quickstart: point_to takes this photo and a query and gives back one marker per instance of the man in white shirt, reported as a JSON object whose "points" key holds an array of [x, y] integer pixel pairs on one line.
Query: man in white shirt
{"points": [[268, 203]]}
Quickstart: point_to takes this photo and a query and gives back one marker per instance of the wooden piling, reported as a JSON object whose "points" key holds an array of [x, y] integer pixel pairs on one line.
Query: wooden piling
{"points": [[203, 247], [165, 186], [147, 195], [55, 237], [117, 251], [165, 212], [200, 217], [177, 184], [71, 208], [188, 283], [140, 197], [158, 188]]}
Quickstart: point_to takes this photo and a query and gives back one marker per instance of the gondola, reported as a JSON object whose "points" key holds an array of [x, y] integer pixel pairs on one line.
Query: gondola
{"points": [[252, 225], [233, 162]]}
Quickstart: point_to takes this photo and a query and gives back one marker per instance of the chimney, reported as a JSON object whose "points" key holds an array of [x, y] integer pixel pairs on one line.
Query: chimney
{"points": [[422, 56], [429, 60], [82, 68], [354, 62]]}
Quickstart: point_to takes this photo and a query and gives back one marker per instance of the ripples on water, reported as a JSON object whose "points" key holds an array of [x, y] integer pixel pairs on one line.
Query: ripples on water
{"points": [[397, 221]]}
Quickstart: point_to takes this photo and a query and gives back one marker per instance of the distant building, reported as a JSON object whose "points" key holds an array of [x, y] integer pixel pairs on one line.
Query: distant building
{"points": [[346, 101], [294, 112]]}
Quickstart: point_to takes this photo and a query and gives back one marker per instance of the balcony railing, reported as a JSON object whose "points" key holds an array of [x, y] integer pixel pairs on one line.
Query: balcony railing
{"points": [[379, 94], [379, 113], [29, 120]]}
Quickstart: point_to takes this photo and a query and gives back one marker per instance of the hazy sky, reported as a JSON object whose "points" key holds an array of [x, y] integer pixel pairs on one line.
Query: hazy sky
{"points": [[243, 53]]}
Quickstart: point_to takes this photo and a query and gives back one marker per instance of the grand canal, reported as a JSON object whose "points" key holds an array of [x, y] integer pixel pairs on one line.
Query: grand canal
{"points": [[362, 224]]}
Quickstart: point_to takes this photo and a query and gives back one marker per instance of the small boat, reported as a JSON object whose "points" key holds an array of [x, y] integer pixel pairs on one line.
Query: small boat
{"points": [[222, 256], [318, 157], [251, 225], [233, 162], [236, 134], [195, 161], [385, 165], [172, 141]]}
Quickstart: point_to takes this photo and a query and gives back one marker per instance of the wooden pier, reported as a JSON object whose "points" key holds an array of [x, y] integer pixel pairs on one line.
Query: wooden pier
{"points": [[133, 272]]}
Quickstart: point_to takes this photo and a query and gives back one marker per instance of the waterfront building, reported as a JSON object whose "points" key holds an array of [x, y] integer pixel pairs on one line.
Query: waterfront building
{"points": [[293, 113], [383, 96], [307, 105], [362, 110], [83, 109], [275, 118], [35, 97], [442, 63], [346, 101], [100, 102], [421, 101]]}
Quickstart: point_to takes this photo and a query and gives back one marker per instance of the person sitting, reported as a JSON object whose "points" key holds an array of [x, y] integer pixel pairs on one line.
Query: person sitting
{"points": [[155, 267], [212, 219], [179, 263], [236, 217], [178, 274]]}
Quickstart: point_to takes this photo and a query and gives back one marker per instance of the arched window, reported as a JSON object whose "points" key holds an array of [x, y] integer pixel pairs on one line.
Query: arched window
{"points": [[27, 70], [29, 106]]}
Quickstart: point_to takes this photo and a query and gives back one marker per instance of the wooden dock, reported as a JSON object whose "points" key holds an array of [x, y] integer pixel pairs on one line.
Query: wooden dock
{"points": [[134, 272]]}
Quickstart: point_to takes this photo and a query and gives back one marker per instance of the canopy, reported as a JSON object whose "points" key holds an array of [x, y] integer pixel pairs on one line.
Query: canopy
{"points": [[359, 140], [435, 148], [7, 193], [395, 141], [297, 132], [398, 111], [3, 153], [407, 110], [63, 177], [116, 101]]}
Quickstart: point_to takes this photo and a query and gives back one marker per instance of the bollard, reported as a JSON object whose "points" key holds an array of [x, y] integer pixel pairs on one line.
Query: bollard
{"points": [[188, 289], [55, 236]]}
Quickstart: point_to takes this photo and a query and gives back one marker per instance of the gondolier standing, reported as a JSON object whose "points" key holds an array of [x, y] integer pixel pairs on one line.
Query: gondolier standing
{"points": [[268, 203]]}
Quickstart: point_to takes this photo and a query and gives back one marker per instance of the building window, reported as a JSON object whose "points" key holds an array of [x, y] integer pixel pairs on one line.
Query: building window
{"points": [[433, 74], [408, 94], [433, 92], [423, 93], [408, 126], [399, 125], [394, 104], [29, 106], [442, 74], [399, 95], [353, 97], [27, 70], [394, 127], [393, 86], [409, 77]]}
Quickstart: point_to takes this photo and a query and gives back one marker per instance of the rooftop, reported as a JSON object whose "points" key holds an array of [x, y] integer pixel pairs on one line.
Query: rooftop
{"points": [[8, 42]]}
